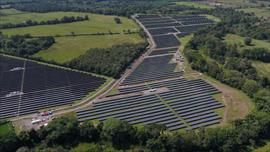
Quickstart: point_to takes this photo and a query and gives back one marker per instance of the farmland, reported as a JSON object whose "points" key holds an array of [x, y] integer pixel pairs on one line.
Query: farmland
{"points": [[68, 48], [73, 39]]}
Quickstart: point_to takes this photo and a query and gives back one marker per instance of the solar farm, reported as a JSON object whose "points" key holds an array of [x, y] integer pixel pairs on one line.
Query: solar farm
{"points": [[27, 87], [155, 92]]}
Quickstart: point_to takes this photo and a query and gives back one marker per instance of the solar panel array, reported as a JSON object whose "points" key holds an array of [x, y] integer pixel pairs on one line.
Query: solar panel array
{"points": [[185, 104], [163, 51], [26, 87], [152, 69]]}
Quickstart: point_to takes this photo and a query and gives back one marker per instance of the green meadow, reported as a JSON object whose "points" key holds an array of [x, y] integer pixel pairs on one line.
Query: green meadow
{"points": [[66, 47]]}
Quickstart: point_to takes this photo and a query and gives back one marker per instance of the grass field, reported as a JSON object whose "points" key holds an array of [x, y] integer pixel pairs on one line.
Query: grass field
{"points": [[260, 12], [67, 48], [96, 23], [194, 4], [5, 128], [239, 41]]}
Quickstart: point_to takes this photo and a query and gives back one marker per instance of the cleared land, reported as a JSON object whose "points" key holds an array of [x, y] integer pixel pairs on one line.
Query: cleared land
{"points": [[69, 47]]}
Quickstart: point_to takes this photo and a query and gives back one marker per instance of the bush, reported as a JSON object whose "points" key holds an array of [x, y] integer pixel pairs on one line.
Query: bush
{"points": [[247, 41]]}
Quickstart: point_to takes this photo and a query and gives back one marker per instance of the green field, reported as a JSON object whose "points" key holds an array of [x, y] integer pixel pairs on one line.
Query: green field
{"points": [[66, 47], [5, 128], [239, 41], [260, 12], [96, 23], [195, 4]]}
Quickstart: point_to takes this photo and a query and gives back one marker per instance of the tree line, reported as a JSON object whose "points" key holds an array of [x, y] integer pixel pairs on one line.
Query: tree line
{"points": [[108, 61], [65, 19], [66, 133], [107, 7], [24, 45]]}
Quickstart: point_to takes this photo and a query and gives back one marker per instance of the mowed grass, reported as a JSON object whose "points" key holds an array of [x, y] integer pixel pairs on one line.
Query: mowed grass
{"points": [[5, 128], [68, 48], [260, 12], [195, 4], [96, 23]]}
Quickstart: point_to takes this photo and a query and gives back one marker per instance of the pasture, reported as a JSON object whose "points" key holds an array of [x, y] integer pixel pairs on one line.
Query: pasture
{"points": [[68, 47], [96, 23]]}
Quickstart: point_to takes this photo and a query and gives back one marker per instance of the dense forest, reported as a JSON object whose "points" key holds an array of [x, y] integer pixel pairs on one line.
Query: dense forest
{"points": [[24, 45], [108, 7], [65, 19], [109, 61], [65, 134]]}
